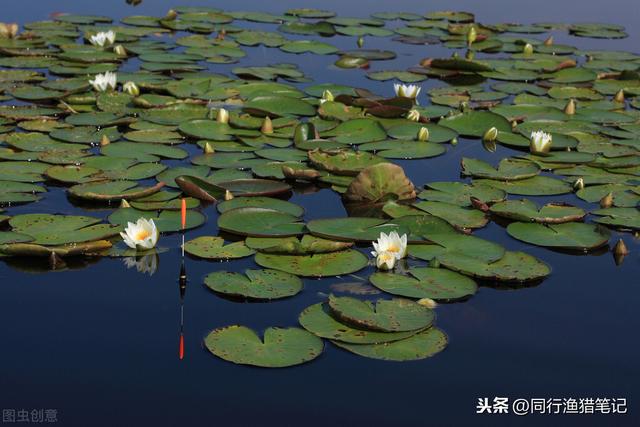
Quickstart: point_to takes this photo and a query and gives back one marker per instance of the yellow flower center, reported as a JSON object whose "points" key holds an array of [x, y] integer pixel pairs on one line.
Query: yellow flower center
{"points": [[386, 256], [142, 234], [393, 248]]}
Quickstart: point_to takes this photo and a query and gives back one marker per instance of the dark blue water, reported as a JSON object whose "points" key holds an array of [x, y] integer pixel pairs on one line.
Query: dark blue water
{"points": [[100, 343]]}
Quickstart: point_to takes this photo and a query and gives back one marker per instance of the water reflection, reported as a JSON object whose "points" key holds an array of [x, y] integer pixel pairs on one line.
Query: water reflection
{"points": [[147, 264]]}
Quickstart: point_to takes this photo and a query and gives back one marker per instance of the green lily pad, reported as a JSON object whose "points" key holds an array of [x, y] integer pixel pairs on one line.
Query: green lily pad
{"points": [[507, 170], [395, 315], [526, 210], [53, 230], [455, 215], [435, 283], [343, 162], [476, 123], [281, 347], [626, 218], [260, 222], [211, 247], [536, 186], [166, 221], [292, 246], [254, 284], [315, 265], [571, 235], [420, 346], [512, 267], [261, 202], [318, 320], [460, 194]]}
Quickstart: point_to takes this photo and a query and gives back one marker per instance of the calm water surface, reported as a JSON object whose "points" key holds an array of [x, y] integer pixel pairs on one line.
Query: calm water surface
{"points": [[100, 343]]}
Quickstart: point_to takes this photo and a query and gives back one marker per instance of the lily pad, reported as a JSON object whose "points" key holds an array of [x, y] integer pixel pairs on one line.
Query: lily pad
{"points": [[211, 247], [526, 210], [316, 265], [571, 235], [318, 320], [254, 284], [395, 315], [282, 347], [260, 222], [435, 283], [420, 346]]}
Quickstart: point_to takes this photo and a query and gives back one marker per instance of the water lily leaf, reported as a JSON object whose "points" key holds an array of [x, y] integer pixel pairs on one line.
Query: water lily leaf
{"points": [[292, 246], [261, 202], [455, 215], [476, 123], [343, 162], [166, 221], [142, 151], [318, 320], [211, 247], [312, 46], [315, 265], [457, 243], [281, 347], [254, 284], [536, 186], [436, 283], [357, 131], [460, 194], [622, 196], [278, 106], [379, 183], [507, 170], [106, 191], [626, 218], [526, 210], [395, 315], [260, 222], [394, 149], [7, 237], [353, 228], [409, 130], [571, 235], [13, 192], [322, 28], [51, 230], [512, 267], [420, 346]]}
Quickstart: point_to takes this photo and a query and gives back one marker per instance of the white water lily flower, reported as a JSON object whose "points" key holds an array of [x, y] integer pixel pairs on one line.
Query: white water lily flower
{"points": [[143, 234], [386, 260], [146, 264], [131, 88], [103, 38], [407, 91], [392, 243], [540, 142], [105, 81]]}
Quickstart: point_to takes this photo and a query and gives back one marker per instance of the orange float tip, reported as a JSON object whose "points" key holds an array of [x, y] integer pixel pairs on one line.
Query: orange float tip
{"points": [[183, 211], [181, 347]]}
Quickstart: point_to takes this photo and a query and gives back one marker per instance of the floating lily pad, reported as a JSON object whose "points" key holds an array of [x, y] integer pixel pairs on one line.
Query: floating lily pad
{"points": [[420, 346], [507, 170], [212, 247], [281, 347], [571, 235], [512, 267], [476, 123], [254, 284], [395, 315], [318, 320], [316, 265], [460, 194], [435, 283], [166, 221], [260, 222], [526, 210]]}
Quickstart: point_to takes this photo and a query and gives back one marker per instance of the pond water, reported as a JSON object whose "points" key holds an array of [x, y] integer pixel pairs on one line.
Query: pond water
{"points": [[99, 343]]}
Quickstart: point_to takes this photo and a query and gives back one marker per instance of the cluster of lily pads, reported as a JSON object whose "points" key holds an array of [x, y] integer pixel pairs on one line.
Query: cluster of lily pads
{"points": [[174, 135]]}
